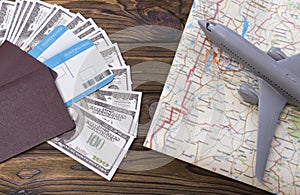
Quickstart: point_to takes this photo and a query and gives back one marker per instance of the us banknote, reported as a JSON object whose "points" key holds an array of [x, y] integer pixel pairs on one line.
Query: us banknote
{"points": [[34, 19], [125, 99], [61, 16], [112, 56], [84, 26], [94, 143], [123, 119], [6, 17], [76, 21], [91, 30], [19, 6], [122, 79], [101, 40]]}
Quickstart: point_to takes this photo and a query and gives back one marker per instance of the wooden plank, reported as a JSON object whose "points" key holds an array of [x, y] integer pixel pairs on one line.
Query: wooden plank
{"points": [[45, 170]]}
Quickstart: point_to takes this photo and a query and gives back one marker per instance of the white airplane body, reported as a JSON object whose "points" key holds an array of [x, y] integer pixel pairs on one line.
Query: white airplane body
{"points": [[279, 82]]}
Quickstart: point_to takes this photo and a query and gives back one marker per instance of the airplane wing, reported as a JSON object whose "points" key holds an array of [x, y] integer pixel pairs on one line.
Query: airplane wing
{"points": [[270, 105], [291, 63]]}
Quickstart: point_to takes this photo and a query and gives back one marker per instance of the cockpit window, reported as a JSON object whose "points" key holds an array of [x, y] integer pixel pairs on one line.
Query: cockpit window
{"points": [[210, 26]]}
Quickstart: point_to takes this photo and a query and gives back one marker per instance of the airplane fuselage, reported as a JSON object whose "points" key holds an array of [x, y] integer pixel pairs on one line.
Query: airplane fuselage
{"points": [[258, 62]]}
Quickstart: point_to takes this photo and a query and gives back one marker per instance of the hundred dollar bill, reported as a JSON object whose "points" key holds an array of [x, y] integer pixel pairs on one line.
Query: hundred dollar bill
{"points": [[38, 14], [125, 99], [100, 39], [60, 16], [89, 31], [122, 80], [124, 119], [77, 21], [88, 23], [6, 17], [19, 5], [113, 56], [96, 32], [23, 11], [94, 143]]}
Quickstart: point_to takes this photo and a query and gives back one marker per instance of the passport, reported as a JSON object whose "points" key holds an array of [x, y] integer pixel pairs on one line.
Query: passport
{"points": [[32, 110]]}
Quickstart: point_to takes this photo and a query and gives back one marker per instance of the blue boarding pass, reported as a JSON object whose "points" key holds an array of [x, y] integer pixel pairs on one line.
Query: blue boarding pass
{"points": [[81, 70], [58, 40]]}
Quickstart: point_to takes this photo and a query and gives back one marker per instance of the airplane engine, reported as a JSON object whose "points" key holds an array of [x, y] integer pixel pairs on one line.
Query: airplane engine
{"points": [[276, 53], [248, 94]]}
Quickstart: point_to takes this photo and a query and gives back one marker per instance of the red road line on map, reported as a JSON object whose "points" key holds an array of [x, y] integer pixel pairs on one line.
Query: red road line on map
{"points": [[217, 10], [166, 121], [189, 83], [285, 117], [189, 75], [267, 19], [173, 108], [289, 21]]}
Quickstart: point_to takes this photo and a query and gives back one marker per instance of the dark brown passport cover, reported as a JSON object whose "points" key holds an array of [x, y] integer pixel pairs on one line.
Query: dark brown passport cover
{"points": [[31, 108]]}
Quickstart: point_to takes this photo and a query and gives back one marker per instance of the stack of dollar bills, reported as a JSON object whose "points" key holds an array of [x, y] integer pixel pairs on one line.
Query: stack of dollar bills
{"points": [[92, 78]]}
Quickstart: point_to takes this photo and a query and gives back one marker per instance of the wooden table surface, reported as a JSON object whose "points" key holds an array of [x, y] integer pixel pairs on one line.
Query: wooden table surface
{"points": [[45, 170]]}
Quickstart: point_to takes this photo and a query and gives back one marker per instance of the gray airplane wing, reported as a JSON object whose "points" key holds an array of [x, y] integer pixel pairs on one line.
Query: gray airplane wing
{"points": [[291, 63], [270, 105]]}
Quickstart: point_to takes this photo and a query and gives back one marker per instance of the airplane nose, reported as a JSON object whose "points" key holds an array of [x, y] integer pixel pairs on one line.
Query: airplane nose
{"points": [[206, 26], [202, 24]]}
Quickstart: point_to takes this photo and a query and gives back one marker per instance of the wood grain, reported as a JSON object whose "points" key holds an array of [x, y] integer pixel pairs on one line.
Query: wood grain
{"points": [[44, 170]]}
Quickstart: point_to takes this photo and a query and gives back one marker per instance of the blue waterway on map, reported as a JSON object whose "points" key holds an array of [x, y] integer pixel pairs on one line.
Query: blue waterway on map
{"points": [[173, 130], [190, 156], [190, 25], [285, 157], [208, 66], [194, 7], [229, 68], [245, 26], [250, 131]]}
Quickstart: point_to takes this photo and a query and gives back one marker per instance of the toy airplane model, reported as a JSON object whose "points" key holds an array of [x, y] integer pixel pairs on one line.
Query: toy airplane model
{"points": [[279, 83]]}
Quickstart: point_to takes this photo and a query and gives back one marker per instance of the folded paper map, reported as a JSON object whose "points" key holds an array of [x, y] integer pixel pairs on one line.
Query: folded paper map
{"points": [[201, 118]]}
